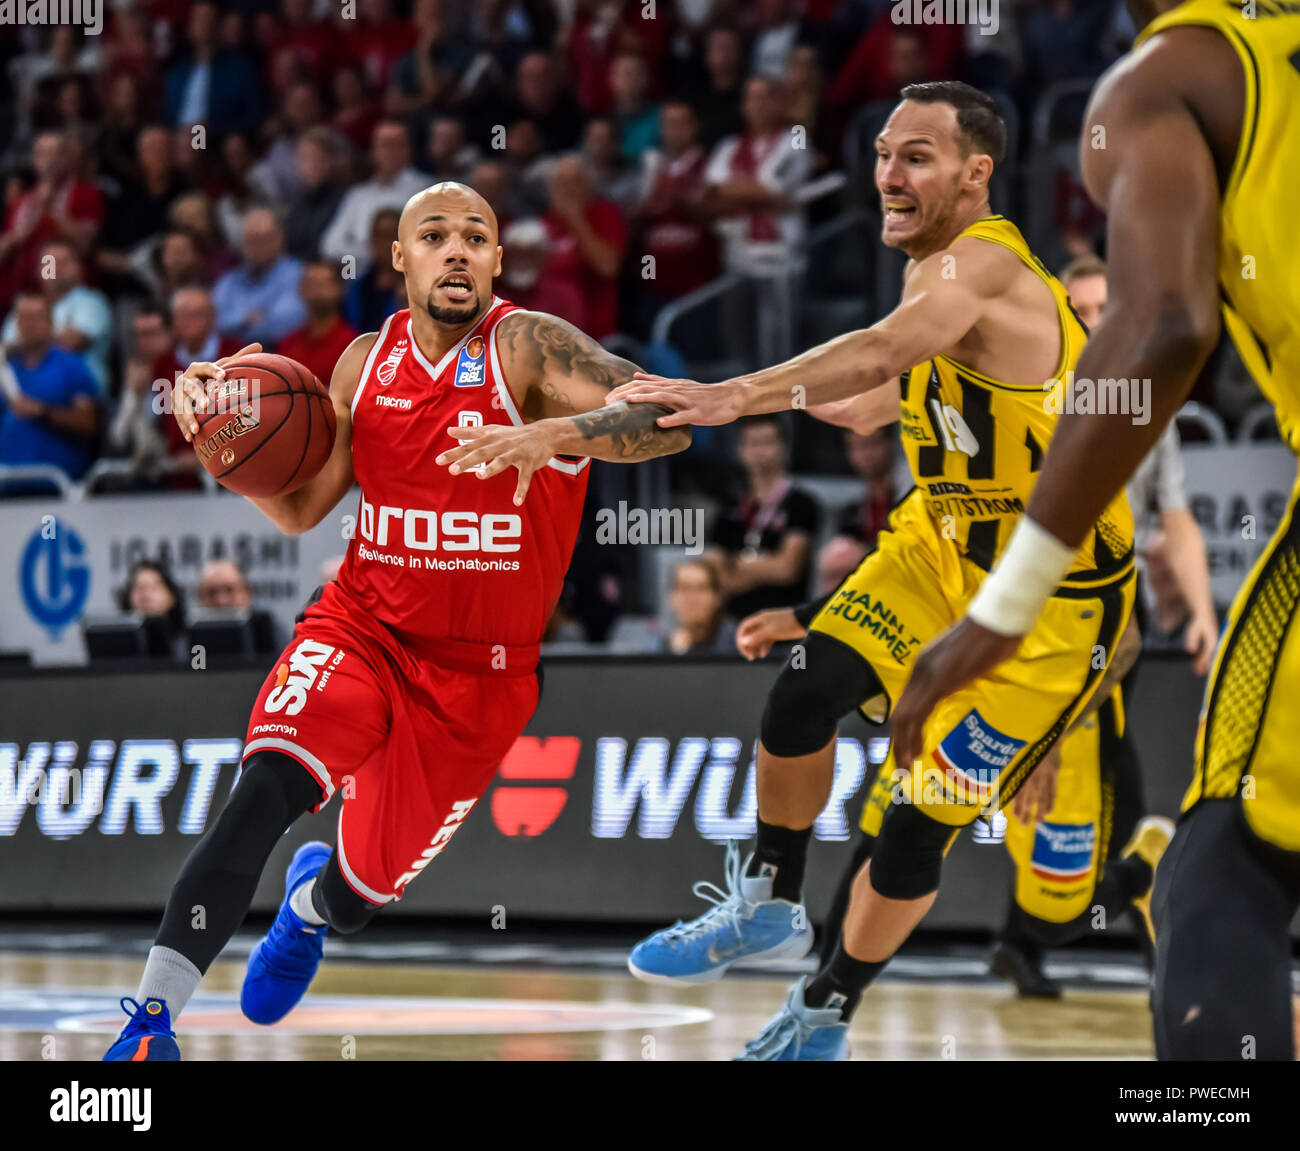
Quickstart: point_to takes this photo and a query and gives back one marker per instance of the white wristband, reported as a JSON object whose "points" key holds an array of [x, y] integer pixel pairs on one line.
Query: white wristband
{"points": [[1032, 567]]}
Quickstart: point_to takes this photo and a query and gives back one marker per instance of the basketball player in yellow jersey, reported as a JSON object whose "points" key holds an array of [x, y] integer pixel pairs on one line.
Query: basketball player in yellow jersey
{"points": [[980, 329], [1198, 177]]}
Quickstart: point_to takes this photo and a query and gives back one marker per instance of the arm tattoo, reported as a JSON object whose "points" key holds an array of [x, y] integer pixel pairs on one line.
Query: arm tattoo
{"points": [[632, 431], [549, 350]]}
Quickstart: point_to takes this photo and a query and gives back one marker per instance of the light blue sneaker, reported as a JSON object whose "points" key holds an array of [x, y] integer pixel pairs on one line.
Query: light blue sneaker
{"points": [[801, 1034], [745, 925]]}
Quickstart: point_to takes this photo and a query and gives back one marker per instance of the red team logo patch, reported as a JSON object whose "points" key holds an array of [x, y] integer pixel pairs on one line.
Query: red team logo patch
{"points": [[529, 811]]}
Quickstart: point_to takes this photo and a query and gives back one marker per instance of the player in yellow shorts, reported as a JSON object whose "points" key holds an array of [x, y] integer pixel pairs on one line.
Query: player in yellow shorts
{"points": [[1197, 178], [1059, 833], [975, 362]]}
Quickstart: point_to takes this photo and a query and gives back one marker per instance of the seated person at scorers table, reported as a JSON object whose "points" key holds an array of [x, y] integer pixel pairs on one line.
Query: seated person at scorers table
{"points": [[223, 587]]}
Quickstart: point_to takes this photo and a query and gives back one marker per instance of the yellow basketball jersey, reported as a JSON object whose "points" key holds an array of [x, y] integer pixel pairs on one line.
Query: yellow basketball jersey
{"points": [[1259, 233], [976, 444]]}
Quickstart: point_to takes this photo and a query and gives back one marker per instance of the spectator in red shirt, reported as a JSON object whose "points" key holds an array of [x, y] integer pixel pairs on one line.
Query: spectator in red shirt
{"points": [[878, 67], [525, 246], [672, 227], [378, 41], [313, 45], [588, 237], [319, 343], [58, 206]]}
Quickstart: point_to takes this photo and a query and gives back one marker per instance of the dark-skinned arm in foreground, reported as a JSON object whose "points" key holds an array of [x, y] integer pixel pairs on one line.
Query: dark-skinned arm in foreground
{"points": [[1159, 182], [565, 376]]}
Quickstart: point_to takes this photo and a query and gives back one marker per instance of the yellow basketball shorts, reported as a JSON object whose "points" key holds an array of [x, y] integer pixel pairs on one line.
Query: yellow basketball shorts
{"points": [[981, 742], [1249, 731], [1060, 855]]}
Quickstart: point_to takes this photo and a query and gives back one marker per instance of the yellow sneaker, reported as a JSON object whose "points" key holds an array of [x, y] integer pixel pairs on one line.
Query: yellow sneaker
{"points": [[1150, 838]]}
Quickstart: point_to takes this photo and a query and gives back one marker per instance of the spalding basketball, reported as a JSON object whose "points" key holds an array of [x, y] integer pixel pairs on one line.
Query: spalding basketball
{"points": [[268, 427]]}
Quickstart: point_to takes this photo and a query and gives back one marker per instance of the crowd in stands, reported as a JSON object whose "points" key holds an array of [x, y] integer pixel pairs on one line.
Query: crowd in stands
{"points": [[203, 175]]}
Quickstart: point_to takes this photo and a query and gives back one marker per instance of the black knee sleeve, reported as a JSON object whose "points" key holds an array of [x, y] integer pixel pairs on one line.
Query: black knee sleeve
{"points": [[908, 857], [335, 902], [211, 895], [823, 681]]}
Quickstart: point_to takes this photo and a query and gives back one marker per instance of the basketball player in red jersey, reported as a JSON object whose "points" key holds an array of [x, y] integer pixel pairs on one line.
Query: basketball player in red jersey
{"points": [[408, 680]]}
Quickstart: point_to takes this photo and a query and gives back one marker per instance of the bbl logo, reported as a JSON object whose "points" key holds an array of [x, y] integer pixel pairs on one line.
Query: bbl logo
{"points": [[386, 373], [54, 576], [469, 364]]}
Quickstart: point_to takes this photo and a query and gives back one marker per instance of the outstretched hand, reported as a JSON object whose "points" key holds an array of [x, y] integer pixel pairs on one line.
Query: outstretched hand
{"points": [[691, 401]]}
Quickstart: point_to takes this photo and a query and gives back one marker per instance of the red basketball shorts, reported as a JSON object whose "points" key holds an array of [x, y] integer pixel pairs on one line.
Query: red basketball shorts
{"points": [[412, 745]]}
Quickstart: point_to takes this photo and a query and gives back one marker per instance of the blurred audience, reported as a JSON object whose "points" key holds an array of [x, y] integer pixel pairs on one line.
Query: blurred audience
{"points": [[874, 458], [315, 202], [588, 237], [377, 293], [212, 84], [393, 183], [319, 343], [83, 319], [762, 543], [751, 180], [49, 400], [58, 205], [259, 300], [699, 621], [670, 220]]}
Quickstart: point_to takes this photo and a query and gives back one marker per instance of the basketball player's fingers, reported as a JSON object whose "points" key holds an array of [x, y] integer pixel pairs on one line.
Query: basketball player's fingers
{"points": [[1020, 805], [638, 381], [1199, 643], [1049, 795], [526, 470], [635, 391], [470, 431], [246, 350], [187, 399]]}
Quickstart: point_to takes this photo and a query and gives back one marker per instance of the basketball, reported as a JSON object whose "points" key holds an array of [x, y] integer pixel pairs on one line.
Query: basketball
{"points": [[268, 428]]}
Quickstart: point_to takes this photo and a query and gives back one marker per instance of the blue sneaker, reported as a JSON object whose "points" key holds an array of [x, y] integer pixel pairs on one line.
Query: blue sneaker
{"points": [[149, 1035], [284, 961], [801, 1034], [745, 924]]}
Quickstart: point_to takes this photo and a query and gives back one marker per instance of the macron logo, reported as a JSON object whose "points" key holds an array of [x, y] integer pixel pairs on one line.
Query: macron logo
{"points": [[76, 1104]]}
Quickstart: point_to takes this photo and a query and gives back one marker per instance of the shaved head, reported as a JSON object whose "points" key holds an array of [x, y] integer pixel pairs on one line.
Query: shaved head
{"points": [[448, 251], [446, 199]]}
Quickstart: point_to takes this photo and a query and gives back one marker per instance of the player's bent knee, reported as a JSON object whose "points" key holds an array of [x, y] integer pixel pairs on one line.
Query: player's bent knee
{"points": [[271, 780], [908, 857], [822, 682]]}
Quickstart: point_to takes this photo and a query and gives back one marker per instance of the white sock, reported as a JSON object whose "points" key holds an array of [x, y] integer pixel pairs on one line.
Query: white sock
{"points": [[300, 904], [168, 976]]}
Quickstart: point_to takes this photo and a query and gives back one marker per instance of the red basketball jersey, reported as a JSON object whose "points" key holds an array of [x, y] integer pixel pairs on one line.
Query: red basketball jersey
{"points": [[447, 562]]}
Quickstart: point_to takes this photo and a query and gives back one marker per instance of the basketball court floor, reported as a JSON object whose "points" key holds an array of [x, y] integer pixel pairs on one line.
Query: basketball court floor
{"points": [[408, 996]]}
